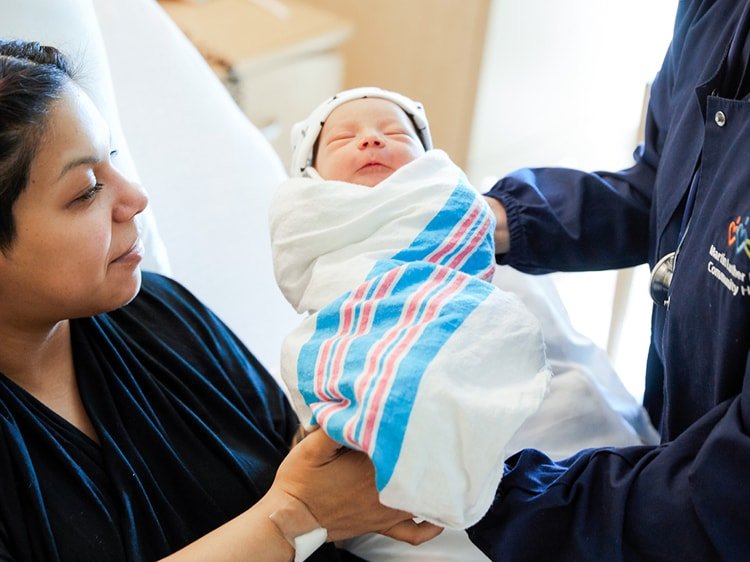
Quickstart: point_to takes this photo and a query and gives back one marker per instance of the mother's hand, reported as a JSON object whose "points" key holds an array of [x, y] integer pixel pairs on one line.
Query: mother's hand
{"points": [[338, 487]]}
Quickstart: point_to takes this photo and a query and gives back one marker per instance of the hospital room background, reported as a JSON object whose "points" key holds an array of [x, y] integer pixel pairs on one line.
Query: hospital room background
{"points": [[506, 84]]}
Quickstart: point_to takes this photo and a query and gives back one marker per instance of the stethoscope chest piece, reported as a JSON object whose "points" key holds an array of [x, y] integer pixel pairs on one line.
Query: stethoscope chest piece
{"points": [[661, 279]]}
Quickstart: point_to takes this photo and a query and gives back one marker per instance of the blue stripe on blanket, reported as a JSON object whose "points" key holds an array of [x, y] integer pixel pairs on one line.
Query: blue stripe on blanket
{"points": [[367, 406], [463, 208], [361, 369]]}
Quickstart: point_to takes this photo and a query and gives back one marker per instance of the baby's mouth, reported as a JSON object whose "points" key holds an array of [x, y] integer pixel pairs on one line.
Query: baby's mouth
{"points": [[371, 165]]}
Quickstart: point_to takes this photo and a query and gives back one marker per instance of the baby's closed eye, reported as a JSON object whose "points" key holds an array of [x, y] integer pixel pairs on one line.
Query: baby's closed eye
{"points": [[340, 137]]}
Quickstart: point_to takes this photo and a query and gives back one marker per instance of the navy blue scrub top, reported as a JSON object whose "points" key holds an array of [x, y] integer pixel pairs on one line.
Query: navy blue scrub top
{"points": [[687, 499]]}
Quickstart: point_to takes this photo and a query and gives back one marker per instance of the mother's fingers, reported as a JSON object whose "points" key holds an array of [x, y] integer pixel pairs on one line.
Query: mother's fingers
{"points": [[338, 487], [413, 532], [318, 447]]}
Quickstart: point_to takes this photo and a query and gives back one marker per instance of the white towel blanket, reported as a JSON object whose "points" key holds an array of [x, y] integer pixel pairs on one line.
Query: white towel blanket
{"points": [[408, 352]]}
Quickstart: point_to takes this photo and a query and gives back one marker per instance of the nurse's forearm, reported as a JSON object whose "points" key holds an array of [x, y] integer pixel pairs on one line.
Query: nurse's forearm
{"points": [[502, 235]]}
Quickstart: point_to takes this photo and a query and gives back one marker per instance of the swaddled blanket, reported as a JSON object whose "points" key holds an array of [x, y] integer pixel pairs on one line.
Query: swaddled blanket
{"points": [[408, 352]]}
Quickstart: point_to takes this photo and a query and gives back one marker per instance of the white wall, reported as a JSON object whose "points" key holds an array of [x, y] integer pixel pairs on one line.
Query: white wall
{"points": [[562, 83]]}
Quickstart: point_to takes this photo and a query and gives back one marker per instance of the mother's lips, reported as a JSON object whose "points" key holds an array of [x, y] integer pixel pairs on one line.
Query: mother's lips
{"points": [[133, 253]]}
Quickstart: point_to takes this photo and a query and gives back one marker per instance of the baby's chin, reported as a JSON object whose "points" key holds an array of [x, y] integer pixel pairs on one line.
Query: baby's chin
{"points": [[370, 176]]}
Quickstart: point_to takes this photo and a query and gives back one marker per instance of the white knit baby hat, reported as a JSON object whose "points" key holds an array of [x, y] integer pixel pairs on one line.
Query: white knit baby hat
{"points": [[305, 133]]}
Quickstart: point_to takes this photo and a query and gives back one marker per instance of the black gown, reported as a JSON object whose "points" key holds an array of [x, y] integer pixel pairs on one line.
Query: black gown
{"points": [[191, 430]]}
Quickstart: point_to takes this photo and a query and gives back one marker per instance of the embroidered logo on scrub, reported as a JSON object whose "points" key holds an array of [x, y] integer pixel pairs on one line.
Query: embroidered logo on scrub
{"points": [[737, 238], [720, 265]]}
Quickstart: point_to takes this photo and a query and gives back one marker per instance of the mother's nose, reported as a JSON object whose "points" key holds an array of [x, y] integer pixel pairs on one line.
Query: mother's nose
{"points": [[132, 200], [370, 141]]}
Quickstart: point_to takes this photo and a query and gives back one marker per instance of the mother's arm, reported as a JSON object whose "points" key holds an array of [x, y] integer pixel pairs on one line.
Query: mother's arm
{"points": [[319, 478]]}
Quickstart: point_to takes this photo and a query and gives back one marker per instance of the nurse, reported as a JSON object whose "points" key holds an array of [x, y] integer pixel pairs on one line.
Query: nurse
{"points": [[686, 197]]}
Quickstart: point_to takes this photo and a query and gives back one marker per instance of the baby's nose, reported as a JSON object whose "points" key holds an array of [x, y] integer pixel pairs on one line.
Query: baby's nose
{"points": [[371, 141]]}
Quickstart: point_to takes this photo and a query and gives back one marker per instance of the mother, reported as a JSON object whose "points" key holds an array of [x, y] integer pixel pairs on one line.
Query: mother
{"points": [[133, 424]]}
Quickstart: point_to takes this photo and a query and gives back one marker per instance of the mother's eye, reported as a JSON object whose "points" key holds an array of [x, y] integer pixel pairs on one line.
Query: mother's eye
{"points": [[90, 193]]}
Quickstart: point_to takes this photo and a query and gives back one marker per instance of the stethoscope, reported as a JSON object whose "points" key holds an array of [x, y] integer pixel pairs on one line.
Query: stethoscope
{"points": [[661, 279], [661, 274]]}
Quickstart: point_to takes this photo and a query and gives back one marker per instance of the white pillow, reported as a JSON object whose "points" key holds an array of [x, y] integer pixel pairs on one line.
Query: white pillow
{"points": [[209, 172]]}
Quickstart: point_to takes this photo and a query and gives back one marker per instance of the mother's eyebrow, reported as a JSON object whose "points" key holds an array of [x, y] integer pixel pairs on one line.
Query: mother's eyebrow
{"points": [[85, 160]]}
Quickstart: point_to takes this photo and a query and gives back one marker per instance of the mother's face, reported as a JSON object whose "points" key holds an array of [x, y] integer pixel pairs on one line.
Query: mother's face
{"points": [[77, 246]]}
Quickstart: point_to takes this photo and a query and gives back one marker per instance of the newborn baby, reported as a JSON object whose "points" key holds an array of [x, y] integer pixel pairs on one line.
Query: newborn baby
{"points": [[407, 352]]}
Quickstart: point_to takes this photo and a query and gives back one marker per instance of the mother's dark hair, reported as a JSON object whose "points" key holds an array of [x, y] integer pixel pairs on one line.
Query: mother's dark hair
{"points": [[32, 77]]}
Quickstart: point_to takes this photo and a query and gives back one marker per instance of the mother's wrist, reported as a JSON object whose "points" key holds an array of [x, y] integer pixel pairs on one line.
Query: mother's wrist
{"points": [[298, 526]]}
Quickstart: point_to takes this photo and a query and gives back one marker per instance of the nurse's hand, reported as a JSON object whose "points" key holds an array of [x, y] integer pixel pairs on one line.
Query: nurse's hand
{"points": [[337, 486], [502, 234]]}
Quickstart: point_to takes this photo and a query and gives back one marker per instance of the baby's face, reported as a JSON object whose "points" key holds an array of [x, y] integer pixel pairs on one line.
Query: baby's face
{"points": [[364, 141]]}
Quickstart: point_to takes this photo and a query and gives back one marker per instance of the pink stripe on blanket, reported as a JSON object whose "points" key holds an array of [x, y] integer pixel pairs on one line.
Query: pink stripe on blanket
{"points": [[458, 261], [393, 362], [456, 235], [375, 353], [328, 389], [488, 273], [408, 331], [340, 342]]}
